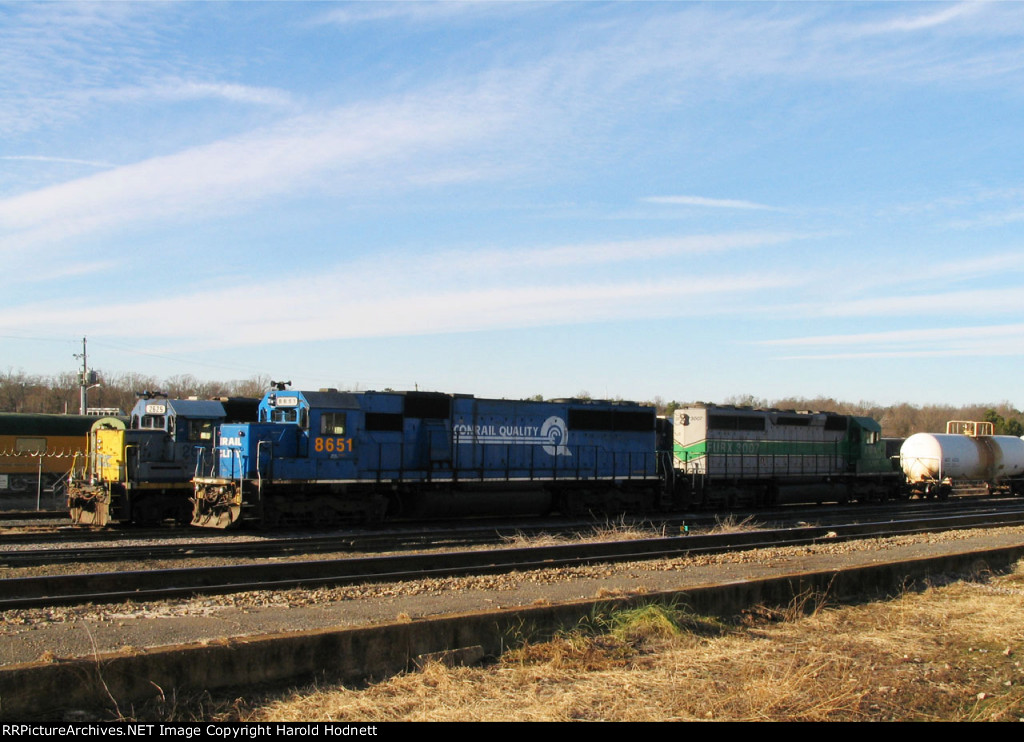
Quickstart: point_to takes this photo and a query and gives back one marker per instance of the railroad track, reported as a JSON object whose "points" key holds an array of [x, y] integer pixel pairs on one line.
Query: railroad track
{"points": [[197, 544], [9, 515], [177, 583], [278, 547], [62, 531]]}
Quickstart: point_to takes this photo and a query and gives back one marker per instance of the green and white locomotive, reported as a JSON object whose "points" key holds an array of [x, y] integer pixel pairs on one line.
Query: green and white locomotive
{"points": [[726, 456]]}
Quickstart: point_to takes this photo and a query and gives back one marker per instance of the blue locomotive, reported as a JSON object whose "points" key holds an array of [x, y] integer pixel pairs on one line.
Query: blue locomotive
{"points": [[327, 456], [142, 474]]}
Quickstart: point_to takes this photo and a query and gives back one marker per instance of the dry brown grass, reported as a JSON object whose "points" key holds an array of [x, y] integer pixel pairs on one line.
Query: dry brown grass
{"points": [[623, 530], [951, 652], [611, 530], [528, 540], [734, 524]]}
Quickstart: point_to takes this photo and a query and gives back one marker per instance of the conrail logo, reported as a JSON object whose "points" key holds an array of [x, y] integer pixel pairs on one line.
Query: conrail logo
{"points": [[551, 435], [229, 446]]}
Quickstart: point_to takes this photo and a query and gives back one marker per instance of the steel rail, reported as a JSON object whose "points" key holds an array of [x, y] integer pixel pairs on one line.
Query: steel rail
{"points": [[175, 583], [196, 543]]}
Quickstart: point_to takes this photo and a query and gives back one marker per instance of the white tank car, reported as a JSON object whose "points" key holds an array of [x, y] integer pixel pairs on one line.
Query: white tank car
{"points": [[934, 457]]}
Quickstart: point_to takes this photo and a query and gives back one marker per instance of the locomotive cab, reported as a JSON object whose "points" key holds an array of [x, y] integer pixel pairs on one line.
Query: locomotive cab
{"points": [[170, 437], [867, 451], [143, 474]]}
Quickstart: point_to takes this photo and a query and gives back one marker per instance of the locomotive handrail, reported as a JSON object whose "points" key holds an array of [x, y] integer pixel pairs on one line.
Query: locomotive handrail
{"points": [[236, 456], [74, 464], [63, 480], [259, 470], [199, 460], [217, 453]]}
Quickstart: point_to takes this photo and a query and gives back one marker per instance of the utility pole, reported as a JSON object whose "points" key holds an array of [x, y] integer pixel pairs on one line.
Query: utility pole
{"points": [[86, 379]]}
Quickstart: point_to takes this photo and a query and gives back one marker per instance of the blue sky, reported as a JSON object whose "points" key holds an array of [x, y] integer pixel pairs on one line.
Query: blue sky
{"points": [[685, 200]]}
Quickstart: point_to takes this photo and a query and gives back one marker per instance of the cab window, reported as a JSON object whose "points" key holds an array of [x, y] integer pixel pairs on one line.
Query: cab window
{"points": [[200, 430], [332, 423], [284, 415]]}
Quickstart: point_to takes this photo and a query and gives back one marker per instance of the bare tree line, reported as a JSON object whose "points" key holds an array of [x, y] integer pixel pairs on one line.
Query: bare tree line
{"points": [[897, 420], [20, 392]]}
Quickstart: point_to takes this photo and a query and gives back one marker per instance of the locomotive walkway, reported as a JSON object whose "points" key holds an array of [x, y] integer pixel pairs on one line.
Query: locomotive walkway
{"points": [[84, 655]]}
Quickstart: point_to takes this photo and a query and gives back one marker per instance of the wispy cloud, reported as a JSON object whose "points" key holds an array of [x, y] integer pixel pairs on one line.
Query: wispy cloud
{"points": [[249, 168], [979, 340], [990, 218], [804, 45], [61, 60], [411, 12], [190, 90], [62, 160], [903, 337], [962, 303], [569, 108], [974, 351], [210, 179], [713, 203], [921, 21], [378, 304], [931, 280], [53, 56], [970, 209], [635, 252]]}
